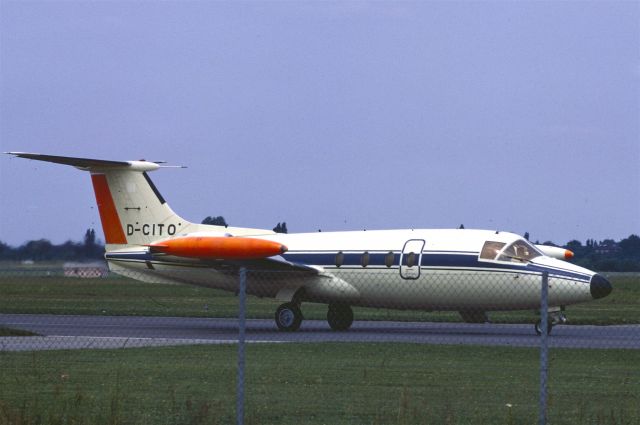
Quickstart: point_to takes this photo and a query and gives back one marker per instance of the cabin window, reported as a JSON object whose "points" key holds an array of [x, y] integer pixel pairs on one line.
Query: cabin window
{"points": [[339, 258], [364, 260], [411, 259], [491, 249], [388, 259]]}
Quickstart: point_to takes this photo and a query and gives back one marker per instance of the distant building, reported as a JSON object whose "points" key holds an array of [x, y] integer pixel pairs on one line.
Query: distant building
{"points": [[86, 270], [607, 247]]}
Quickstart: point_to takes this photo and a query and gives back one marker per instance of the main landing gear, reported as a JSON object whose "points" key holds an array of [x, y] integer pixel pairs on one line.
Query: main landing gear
{"points": [[289, 317], [340, 317], [556, 317]]}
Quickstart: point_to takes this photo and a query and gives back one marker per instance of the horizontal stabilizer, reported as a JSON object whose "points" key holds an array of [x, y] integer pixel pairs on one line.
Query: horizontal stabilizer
{"points": [[89, 164], [67, 160]]}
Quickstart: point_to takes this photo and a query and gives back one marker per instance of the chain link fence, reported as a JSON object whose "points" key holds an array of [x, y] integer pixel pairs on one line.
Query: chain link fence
{"points": [[307, 347]]}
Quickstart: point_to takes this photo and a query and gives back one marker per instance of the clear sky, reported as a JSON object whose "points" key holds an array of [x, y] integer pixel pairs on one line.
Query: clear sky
{"points": [[518, 116]]}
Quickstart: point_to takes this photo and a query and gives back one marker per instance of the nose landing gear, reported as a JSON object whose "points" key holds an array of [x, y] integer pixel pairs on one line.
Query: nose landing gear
{"points": [[556, 317]]}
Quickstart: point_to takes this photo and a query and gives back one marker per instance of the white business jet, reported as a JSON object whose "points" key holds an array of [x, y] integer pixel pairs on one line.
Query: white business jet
{"points": [[468, 271]]}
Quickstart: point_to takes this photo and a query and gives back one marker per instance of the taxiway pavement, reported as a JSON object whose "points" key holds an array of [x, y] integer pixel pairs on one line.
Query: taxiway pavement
{"points": [[69, 332]]}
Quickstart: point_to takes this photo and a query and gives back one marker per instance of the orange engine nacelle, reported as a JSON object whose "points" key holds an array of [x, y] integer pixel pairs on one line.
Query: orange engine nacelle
{"points": [[218, 247]]}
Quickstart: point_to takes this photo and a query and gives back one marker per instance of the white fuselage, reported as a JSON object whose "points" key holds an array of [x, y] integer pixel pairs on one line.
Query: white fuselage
{"points": [[426, 269]]}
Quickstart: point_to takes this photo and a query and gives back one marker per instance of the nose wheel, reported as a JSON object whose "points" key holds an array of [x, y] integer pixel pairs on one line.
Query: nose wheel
{"points": [[538, 327], [288, 317], [555, 318]]}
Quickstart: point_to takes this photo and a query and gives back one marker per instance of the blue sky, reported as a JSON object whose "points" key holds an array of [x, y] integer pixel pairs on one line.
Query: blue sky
{"points": [[519, 116]]}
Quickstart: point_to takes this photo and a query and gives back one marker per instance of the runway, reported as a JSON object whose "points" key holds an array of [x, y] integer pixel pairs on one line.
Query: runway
{"points": [[75, 332]]}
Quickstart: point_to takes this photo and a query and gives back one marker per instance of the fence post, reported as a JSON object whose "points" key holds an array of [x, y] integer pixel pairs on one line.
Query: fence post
{"points": [[242, 297], [544, 349]]}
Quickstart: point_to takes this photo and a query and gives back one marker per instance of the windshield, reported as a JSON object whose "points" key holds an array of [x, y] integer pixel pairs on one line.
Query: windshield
{"points": [[520, 251]]}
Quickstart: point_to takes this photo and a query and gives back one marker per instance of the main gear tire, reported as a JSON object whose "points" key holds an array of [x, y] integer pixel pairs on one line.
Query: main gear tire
{"points": [[340, 317], [288, 317]]}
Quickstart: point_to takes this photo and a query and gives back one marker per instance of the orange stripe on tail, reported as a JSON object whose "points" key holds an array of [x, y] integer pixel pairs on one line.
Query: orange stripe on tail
{"points": [[113, 232]]}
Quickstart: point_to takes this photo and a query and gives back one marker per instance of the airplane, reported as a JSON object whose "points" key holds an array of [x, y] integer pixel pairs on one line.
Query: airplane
{"points": [[469, 271]]}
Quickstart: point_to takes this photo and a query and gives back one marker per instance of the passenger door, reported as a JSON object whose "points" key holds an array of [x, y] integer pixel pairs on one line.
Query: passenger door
{"points": [[410, 259]]}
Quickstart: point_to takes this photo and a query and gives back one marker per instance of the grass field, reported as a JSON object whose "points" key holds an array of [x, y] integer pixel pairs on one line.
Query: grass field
{"points": [[54, 294], [318, 384], [376, 383]]}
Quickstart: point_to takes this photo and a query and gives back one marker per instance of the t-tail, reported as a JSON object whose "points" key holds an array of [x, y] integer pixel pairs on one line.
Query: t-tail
{"points": [[132, 210]]}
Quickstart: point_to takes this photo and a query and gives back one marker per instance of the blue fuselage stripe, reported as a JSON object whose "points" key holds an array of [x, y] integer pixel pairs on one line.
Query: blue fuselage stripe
{"points": [[454, 261], [439, 260]]}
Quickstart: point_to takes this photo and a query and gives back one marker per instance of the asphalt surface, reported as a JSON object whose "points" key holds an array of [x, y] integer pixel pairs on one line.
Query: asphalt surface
{"points": [[75, 332]]}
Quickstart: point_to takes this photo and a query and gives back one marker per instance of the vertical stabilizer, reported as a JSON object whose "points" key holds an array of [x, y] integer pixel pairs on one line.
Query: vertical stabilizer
{"points": [[132, 210]]}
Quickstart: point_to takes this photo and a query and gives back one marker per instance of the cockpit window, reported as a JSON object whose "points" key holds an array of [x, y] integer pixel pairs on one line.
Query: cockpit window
{"points": [[491, 249], [520, 251]]}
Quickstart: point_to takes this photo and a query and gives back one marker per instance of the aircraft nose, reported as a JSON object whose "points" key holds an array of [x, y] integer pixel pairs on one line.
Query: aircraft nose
{"points": [[600, 287]]}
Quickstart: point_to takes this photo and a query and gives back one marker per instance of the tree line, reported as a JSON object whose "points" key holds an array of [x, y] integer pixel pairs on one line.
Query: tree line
{"points": [[220, 221], [43, 250], [606, 255]]}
